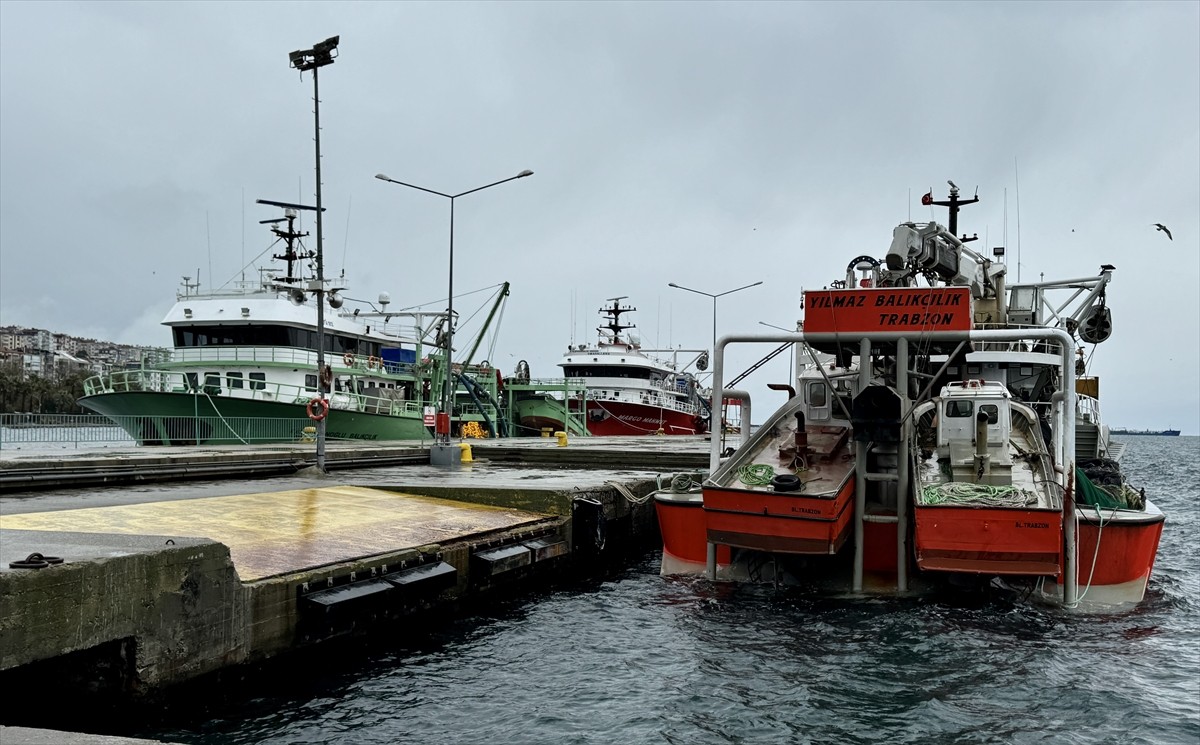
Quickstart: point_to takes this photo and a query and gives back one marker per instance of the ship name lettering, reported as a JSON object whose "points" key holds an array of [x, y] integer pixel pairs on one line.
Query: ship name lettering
{"points": [[838, 301], [924, 300], [1020, 524], [916, 319]]}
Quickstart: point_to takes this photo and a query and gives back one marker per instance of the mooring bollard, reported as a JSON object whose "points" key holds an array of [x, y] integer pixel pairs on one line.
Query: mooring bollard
{"points": [[466, 452], [562, 439]]}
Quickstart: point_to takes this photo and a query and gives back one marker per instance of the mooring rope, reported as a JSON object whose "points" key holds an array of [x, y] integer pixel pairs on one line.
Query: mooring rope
{"points": [[756, 474], [987, 495], [625, 492]]}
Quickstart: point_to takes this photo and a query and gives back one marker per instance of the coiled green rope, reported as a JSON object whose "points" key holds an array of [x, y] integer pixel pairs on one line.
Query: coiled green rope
{"points": [[756, 474], [987, 495]]}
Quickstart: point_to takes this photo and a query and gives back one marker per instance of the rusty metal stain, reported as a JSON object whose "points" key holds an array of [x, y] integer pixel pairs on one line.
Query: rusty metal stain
{"points": [[280, 532]]}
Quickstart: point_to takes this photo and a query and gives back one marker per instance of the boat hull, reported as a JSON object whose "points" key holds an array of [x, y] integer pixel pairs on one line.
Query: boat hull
{"points": [[157, 418], [609, 418], [780, 522], [681, 521], [1116, 550], [980, 540], [537, 414]]}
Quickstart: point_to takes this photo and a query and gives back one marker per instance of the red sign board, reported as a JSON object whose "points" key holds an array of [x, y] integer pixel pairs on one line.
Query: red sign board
{"points": [[903, 309]]}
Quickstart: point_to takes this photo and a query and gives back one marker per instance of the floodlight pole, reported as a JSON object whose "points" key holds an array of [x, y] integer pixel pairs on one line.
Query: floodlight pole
{"points": [[715, 414], [443, 454], [313, 59], [714, 299]]}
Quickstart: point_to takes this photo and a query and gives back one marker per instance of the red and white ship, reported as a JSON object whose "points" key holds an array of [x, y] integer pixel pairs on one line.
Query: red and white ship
{"points": [[952, 432], [629, 390]]}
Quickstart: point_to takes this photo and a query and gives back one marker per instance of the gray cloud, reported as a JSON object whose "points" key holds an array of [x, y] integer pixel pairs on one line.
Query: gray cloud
{"points": [[707, 144]]}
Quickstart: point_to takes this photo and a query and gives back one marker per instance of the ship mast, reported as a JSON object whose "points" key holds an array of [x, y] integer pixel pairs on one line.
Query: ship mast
{"points": [[613, 316]]}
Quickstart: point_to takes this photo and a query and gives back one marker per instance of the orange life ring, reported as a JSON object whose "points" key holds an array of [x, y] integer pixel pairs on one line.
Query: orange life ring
{"points": [[372, 363], [318, 409], [348, 359]]}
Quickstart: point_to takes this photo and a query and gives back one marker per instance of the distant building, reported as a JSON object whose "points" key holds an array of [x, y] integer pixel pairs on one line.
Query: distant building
{"points": [[49, 354]]}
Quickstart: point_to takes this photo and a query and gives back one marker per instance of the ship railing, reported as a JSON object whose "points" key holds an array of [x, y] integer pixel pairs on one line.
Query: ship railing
{"points": [[570, 385], [648, 396], [1023, 345], [220, 355], [49, 432], [1087, 409], [386, 401]]}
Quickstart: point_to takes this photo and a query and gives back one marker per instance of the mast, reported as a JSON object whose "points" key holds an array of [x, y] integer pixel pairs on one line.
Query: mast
{"points": [[954, 204], [613, 316]]}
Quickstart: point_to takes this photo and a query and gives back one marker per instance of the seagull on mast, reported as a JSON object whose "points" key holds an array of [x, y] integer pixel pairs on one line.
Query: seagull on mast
{"points": [[1163, 228]]}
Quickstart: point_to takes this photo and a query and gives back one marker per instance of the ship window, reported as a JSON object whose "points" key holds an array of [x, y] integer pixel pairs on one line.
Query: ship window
{"points": [[258, 381], [606, 371], [310, 382], [191, 381], [817, 394], [234, 379], [212, 383], [992, 411], [959, 409]]}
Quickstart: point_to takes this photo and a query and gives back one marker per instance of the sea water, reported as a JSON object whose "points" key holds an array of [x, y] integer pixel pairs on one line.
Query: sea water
{"points": [[634, 657]]}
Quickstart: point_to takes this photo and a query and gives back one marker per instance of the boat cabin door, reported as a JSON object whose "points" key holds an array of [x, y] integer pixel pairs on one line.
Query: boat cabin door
{"points": [[817, 400]]}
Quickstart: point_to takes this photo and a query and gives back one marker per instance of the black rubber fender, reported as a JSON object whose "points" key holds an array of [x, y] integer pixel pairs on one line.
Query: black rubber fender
{"points": [[787, 482]]}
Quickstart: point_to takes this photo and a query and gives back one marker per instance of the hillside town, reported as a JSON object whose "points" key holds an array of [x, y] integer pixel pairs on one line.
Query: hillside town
{"points": [[46, 354]]}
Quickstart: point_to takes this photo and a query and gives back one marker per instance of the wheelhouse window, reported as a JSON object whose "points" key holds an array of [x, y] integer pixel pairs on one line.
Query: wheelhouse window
{"points": [[233, 380], [270, 336], [606, 371], [818, 395], [959, 409], [310, 382], [992, 411], [258, 381]]}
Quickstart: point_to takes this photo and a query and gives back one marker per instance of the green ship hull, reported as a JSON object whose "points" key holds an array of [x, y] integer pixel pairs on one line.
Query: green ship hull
{"points": [[159, 418]]}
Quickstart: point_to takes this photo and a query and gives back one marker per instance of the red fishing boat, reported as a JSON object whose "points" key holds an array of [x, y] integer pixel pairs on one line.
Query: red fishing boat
{"points": [[951, 431]]}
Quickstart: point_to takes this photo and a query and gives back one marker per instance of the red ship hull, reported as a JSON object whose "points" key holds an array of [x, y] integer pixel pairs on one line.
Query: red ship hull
{"points": [[1116, 550], [609, 418], [989, 541]]}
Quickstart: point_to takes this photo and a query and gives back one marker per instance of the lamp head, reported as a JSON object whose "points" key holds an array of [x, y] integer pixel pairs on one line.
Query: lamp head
{"points": [[525, 173], [382, 177]]}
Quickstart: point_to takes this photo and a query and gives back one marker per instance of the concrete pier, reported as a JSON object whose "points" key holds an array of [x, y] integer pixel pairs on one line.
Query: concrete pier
{"points": [[153, 594]]}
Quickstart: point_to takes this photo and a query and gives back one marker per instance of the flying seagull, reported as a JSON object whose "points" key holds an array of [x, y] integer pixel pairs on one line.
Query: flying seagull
{"points": [[1163, 228]]}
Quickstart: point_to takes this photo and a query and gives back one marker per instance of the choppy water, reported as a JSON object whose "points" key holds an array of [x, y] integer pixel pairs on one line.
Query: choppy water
{"points": [[638, 658]]}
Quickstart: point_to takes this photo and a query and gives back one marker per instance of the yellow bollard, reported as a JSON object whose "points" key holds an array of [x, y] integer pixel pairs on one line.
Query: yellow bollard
{"points": [[562, 439], [466, 451], [546, 431], [309, 434]]}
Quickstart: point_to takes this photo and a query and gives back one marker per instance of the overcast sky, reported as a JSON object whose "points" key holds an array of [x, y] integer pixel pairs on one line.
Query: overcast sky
{"points": [[707, 144]]}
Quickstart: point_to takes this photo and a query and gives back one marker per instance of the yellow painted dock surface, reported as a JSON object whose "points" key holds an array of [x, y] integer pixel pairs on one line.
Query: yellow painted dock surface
{"points": [[281, 532]]}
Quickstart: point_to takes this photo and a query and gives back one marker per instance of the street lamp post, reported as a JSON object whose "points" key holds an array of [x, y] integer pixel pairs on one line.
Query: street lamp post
{"points": [[714, 334], [442, 452], [320, 55], [714, 299]]}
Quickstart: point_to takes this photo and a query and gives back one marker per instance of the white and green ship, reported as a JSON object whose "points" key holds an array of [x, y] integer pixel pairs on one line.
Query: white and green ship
{"points": [[244, 367]]}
